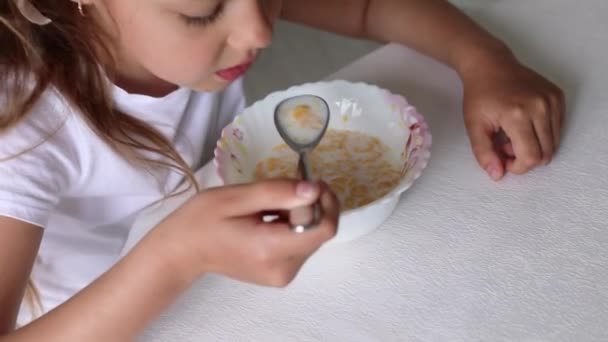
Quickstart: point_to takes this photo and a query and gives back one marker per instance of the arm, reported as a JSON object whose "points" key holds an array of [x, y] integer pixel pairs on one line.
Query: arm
{"points": [[19, 243], [433, 27], [99, 312], [500, 94], [224, 239]]}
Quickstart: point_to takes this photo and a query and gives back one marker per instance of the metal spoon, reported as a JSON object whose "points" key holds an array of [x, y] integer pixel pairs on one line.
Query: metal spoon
{"points": [[302, 122]]}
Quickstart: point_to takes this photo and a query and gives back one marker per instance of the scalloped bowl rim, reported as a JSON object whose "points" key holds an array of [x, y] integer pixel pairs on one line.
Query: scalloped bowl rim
{"points": [[399, 189]]}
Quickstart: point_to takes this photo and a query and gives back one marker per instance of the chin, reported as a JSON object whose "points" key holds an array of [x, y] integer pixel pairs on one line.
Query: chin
{"points": [[210, 85]]}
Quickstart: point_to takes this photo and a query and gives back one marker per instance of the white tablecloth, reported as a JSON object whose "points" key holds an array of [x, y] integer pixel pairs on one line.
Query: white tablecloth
{"points": [[463, 258]]}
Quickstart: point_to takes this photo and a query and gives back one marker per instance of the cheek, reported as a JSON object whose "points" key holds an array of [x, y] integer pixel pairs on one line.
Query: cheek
{"points": [[178, 58]]}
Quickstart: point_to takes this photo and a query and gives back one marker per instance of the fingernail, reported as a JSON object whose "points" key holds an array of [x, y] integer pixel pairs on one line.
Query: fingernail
{"points": [[494, 172], [306, 190]]}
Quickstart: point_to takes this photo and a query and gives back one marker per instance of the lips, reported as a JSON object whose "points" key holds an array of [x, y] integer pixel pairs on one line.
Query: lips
{"points": [[235, 72]]}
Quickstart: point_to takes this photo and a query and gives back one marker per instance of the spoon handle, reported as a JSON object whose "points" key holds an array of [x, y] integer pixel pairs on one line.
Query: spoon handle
{"points": [[306, 217]]}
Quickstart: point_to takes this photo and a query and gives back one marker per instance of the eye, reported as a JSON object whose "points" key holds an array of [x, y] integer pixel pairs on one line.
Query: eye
{"points": [[206, 20]]}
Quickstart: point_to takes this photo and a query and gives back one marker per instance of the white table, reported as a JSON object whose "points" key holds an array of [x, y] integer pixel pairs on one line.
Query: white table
{"points": [[463, 258]]}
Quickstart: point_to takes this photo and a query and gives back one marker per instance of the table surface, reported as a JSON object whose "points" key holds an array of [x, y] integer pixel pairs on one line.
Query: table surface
{"points": [[462, 258]]}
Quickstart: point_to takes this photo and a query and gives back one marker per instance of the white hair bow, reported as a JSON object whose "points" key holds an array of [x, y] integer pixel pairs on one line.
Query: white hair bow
{"points": [[31, 13]]}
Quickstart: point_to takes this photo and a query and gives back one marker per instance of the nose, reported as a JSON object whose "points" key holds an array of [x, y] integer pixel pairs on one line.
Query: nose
{"points": [[254, 30]]}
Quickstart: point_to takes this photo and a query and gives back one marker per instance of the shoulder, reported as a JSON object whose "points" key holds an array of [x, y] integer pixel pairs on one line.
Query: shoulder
{"points": [[38, 159], [50, 124], [42, 149]]}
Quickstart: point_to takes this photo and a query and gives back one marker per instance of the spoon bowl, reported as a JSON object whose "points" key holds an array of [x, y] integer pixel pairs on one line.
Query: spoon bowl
{"points": [[302, 121]]}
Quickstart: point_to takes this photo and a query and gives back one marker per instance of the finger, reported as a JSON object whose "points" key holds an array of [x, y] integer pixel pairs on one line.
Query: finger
{"points": [[503, 145], [286, 271], [526, 147], [483, 148], [274, 215], [285, 243], [544, 132], [507, 149], [306, 243], [286, 251], [331, 206], [271, 195]]}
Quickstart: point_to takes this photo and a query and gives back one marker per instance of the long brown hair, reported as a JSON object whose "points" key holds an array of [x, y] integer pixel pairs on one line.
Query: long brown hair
{"points": [[71, 55]]}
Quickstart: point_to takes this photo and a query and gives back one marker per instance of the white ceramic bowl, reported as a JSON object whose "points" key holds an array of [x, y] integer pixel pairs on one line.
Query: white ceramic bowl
{"points": [[353, 106]]}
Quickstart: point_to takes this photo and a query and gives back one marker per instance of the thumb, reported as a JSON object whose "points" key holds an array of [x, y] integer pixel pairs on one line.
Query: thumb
{"points": [[483, 147]]}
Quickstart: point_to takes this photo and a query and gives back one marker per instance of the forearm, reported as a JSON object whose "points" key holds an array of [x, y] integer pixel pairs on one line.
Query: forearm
{"points": [[118, 305], [433, 27]]}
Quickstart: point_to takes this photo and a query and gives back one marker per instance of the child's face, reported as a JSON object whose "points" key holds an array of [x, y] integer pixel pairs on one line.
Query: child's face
{"points": [[202, 44]]}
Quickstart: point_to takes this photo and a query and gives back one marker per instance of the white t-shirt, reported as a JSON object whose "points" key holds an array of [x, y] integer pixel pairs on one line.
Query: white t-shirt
{"points": [[84, 194]]}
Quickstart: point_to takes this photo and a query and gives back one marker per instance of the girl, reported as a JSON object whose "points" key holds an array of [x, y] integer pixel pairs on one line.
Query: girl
{"points": [[105, 105]]}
